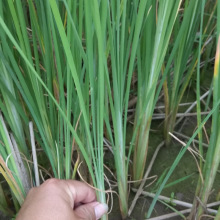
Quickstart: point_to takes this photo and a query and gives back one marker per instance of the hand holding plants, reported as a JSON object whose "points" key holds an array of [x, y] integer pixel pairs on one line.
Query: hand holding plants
{"points": [[61, 199]]}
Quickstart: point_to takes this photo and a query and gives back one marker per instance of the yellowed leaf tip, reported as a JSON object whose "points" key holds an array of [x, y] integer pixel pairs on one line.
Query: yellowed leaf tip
{"points": [[217, 57]]}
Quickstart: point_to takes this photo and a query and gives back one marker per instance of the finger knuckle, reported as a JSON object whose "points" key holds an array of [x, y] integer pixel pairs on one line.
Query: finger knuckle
{"points": [[51, 183]]}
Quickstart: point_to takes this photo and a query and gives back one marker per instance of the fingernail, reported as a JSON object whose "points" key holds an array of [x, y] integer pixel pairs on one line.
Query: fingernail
{"points": [[100, 210]]}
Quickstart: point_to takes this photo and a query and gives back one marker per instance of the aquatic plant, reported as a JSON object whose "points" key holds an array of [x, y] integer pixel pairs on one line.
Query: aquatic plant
{"points": [[69, 71]]}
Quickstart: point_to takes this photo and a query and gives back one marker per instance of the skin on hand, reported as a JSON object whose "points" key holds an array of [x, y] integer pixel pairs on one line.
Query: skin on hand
{"points": [[61, 200]]}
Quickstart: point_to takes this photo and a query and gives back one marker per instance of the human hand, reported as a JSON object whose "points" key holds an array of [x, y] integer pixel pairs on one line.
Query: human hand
{"points": [[61, 200]]}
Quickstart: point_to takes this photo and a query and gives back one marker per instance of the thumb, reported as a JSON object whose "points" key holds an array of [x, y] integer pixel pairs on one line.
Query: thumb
{"points": [[91, 211]]}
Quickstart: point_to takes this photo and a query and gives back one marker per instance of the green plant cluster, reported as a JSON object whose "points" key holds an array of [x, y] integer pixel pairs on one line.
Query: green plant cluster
{"points": [[70, 72]]}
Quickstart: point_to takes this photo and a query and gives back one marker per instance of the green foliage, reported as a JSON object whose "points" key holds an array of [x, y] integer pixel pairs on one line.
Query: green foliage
{"points": [[43, 77], [68, 67], [212, 158], [157, 31], [184, 55]]}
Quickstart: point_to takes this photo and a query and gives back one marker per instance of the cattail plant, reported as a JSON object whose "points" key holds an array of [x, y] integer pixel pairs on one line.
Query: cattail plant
{"points": [[181, 71], [185, 60], [155, 38], [124, 30], [56, 80], [66, 70], [212, 158]]}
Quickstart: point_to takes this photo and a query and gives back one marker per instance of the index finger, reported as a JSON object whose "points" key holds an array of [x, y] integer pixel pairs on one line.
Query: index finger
{"points": [[81, 192]]}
